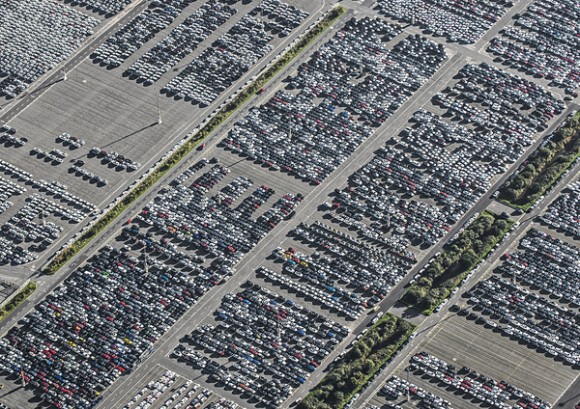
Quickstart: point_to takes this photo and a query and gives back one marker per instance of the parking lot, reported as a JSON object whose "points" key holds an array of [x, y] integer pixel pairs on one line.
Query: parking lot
{"points": [[505, 329], [264, 338], [164, 388], [457, 22], [172, 240], [532, 46], [33, 46], [463, 343], [74, 135], [331, 106], [564, 213], [273, 342]]}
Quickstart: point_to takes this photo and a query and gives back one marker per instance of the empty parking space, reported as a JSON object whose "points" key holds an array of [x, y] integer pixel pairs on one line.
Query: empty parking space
{"points": [[461, 342]]}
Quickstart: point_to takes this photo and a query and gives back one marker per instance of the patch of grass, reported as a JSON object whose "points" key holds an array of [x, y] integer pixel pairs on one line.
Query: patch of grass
{"points": [[544, 167], [458, 258], [61, 259], [360, 364], [17, 300]]}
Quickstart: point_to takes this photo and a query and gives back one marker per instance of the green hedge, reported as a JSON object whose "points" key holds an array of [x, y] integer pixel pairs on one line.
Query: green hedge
{"points": [[359, 365], [203, 133], [544, 167], [17, 300], [448, 269]]}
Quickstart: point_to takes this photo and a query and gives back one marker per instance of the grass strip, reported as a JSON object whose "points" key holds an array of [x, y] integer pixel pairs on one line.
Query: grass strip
{"points": [[18, 299], [458, 258], [372, 351], [61, 259], [544, 167]]}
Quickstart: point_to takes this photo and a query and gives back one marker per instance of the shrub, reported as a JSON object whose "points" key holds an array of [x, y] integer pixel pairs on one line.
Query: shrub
{"points": [[543, 167], [458, 258], [359, 365]]}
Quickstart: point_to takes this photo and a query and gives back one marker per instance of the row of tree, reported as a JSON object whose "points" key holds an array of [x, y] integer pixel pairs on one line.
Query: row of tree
{"points": [[543, 167], [368, 355], [449, 268], [17, 300]]}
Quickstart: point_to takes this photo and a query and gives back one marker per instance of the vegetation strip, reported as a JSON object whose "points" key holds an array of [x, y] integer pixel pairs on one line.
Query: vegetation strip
{"points": [[544, 167], [17, 300], [203, 133], [360, 364], [448, 269]]}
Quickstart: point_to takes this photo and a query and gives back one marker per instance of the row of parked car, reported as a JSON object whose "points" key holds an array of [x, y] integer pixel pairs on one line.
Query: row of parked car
{"points": [[482, 389], [514, 105], [54, 156], [142, 28], [546, 263], [357, 77], [114, 160], [463, 22], [180, 42], [98, 324], [212, 224], [82, 207], [9, 139], [187, 396], [15, 172], [71, 141], [274, 342], [219, 66], [36, 36], [543, 42], [106, 7], [396, 388], [223, 403], [564, 213], [88, 175], [353, 274], [283, 17], [527, 317]]}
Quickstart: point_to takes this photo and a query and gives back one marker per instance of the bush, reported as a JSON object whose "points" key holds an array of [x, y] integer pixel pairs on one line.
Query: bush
{"points": [[543, 167], [458, 258], [359, 365], [17, 300]]}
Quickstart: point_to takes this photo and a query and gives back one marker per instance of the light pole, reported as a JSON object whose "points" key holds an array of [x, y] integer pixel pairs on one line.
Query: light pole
{"points": [[159, 120], [408, 387]]}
